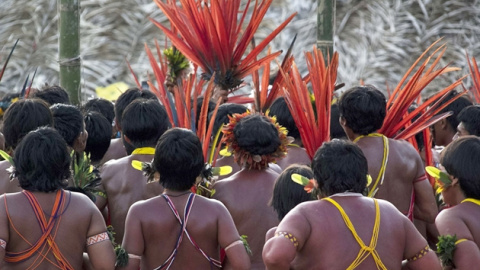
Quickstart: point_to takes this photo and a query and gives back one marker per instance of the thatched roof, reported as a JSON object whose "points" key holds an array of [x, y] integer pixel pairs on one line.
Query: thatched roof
{"points": [[377, 40]]}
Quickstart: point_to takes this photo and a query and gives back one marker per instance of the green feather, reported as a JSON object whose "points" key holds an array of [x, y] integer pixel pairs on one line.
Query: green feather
{"points": [[446, 248], [300, 179], [6, 156]]}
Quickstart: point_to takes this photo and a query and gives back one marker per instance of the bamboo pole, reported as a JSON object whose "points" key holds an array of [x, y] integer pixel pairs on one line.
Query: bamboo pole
{"points": [[326, 26], [69, 47]]}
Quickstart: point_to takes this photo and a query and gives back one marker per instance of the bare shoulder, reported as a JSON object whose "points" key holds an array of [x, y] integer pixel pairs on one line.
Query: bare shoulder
{"points": [[449, 215], [111, 168], [404, 147], [81, 201]]}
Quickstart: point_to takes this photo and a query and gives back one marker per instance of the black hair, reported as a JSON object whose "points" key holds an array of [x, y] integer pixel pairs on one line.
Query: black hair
{"points": [[364, 109], [22, 117], [101, 105], [455, 107], [280, 109], [42, 161], [460, 159], [257, 135], [336, 130], [52, 95], [68, 121], [178, 159], [99, 133], [340, 166], [470, 117], [126, 98], [225, 110], [288, 194], [144, 121]]}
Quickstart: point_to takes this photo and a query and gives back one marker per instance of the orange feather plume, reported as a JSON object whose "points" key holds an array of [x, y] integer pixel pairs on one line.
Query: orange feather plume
{"points": [[212, 36], [314, 128], [475, 74], [397, 121]]}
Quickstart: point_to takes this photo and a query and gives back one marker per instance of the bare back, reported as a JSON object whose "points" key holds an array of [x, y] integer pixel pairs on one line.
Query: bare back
{"points": [[327, 243], [228, 161], [78, 220], [124, 185], [246, 195], [159, 225], [116, 150], [295, 155]]}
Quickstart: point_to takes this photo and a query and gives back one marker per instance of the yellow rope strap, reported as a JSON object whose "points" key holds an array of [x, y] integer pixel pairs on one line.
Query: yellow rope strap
{"points": [[365, 251], [144, 151], [381, 173], [475, 201]]}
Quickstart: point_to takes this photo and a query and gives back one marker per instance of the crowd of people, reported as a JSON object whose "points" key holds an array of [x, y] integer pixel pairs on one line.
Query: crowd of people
{"points": [[363, 202]]}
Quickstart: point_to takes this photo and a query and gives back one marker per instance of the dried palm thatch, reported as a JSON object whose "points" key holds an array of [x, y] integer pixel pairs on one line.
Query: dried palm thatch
{"points": [[377, 40]]}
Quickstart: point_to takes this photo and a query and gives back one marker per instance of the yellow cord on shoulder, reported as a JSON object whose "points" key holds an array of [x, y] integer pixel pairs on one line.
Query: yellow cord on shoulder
{"points": [[365, 251], [381, 173], [475, 201], [144, 151]]}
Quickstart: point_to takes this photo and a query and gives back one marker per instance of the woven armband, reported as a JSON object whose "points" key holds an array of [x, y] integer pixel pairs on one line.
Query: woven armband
{"points": [[289, 236], [420, 254], [97, 238], [3, 244]]}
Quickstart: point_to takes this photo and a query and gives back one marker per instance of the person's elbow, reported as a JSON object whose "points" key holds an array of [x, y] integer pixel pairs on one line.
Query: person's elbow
{"points": [[273, 261]]}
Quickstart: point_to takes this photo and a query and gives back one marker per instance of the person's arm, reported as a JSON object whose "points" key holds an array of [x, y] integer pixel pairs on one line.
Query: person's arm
{"points": [[466, 253], [101, 195], [133, 239], [426, 208], [3, 231], [290, 236], [230, 240], [417, 252], [99, 247]]}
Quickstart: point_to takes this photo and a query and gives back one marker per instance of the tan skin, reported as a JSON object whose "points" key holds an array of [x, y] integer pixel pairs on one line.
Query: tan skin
{"points": [[124, 185], [314, 223], [462, 221], [403, 168], [295, 155], [80, 220], [210, 225], [116, 150], [443, 133], [246, 195]]}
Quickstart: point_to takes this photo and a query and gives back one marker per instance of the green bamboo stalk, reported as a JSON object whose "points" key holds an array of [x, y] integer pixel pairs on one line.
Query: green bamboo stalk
{"points": [[69, 47], [326, 26]]}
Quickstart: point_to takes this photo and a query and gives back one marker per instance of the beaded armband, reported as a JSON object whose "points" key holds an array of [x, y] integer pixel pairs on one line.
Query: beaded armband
{"points": [[289, 236], [97, 238], [420, 254], [3, 244]]}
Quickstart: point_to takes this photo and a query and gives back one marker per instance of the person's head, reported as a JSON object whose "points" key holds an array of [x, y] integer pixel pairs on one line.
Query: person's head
{"points": [[68, 121], [125, 99], [280, 109], [460, 160], [255, 140], [288, 194], [52, 95], [336, 130], [178, 159], [99, 133], [469, 121], [331, 171], [362, 109], [143, 122], [101, 105], [22, 117], [444, 130], [42, 161], [225, 110]]}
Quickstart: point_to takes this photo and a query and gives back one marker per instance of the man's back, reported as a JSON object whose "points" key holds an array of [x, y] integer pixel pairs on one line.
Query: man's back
{"points": [[246, 195], [295, 155], [78, 219], [404, 167], [123, 186], [330, 244]]}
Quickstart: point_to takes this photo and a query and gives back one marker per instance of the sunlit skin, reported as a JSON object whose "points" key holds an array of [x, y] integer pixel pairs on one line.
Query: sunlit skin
{"points": [[461, 131]]}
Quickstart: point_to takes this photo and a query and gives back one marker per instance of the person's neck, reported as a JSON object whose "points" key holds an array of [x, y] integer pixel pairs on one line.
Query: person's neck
{"points": [[175, 193]]}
